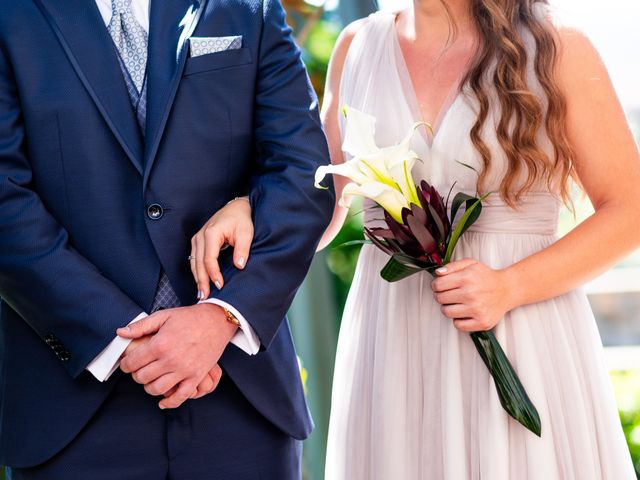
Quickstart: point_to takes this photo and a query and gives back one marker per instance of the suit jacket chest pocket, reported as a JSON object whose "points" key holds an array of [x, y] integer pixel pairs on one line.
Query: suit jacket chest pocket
{"points": [[217, 61]]}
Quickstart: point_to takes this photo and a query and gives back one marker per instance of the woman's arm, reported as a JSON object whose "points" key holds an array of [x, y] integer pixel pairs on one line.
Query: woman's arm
{"points": [[330, 119], [608, 166], [232, 225]]}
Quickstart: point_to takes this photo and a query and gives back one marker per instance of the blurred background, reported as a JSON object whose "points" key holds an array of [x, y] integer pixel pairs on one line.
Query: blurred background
{"points": [[615, 297]]}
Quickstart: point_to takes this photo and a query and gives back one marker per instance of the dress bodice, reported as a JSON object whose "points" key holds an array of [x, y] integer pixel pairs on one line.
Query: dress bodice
{"points": [[376, 81]]}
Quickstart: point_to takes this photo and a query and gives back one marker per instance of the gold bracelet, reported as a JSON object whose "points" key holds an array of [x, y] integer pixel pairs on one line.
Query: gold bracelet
{"points": [[231, 318]]}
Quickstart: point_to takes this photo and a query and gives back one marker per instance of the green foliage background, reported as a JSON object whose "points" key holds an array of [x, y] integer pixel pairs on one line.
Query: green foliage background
{"points": [[627, 388]]}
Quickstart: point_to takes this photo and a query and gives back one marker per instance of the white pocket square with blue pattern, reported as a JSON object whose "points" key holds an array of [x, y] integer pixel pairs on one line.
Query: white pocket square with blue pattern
{"points": [[199, 46]]}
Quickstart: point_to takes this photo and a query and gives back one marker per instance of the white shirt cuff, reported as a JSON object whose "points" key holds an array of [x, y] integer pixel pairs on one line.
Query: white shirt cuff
{"points": [[245, 338], [108, 361]]}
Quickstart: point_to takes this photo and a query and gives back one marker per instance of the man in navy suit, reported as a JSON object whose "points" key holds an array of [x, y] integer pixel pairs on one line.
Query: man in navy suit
{"points": [[124, 125]]}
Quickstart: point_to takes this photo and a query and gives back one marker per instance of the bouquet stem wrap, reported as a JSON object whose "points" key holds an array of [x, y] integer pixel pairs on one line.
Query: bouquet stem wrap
{"points": [[513, 396]]}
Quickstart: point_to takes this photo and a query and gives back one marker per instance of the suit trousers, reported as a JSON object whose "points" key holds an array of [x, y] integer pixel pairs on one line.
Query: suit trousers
{"points": [[220, 436]]}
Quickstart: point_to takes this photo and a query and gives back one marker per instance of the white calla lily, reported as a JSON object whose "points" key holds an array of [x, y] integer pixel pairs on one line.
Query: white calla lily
{"points": [[387, 197], [381, 174], [360, 130], [350, 169], [400, 162]]}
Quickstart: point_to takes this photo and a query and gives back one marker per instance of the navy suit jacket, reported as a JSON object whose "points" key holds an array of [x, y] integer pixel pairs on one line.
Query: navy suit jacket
{"points": [[80, 253]]}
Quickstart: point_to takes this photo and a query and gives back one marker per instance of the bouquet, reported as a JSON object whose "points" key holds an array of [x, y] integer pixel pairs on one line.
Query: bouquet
{"points": [[419, 234]]}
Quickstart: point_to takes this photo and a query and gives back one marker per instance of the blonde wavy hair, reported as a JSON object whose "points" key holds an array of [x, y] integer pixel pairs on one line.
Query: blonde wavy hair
{"points": [[523, 114]]}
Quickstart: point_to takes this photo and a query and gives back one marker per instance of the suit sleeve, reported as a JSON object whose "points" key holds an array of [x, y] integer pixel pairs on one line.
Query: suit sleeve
{"points": [[58, 292], [290, 214]]}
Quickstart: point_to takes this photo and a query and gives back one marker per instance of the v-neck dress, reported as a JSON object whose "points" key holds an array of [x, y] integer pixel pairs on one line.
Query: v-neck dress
{"points": [[412, 399]]}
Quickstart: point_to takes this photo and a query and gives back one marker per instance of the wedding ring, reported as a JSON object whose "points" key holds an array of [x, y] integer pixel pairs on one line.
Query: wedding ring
{"points": [[191, 257]]}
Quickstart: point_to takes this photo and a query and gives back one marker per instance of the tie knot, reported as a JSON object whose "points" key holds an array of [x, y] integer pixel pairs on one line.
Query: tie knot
{"points": [[120, 6]]}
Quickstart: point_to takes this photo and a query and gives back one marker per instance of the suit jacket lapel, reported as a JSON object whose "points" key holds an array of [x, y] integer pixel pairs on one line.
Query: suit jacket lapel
{"points": [[82, 33], [171, 24]]}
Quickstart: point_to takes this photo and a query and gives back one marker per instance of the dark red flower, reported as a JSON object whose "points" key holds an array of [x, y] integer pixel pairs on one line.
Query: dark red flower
{"points": [[423, 233]]}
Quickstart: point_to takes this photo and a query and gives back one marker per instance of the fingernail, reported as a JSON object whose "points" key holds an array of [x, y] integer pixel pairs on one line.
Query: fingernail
{"points": [[200, 295], [241, 262], [218, 284], [162, 407], [442, 270]]}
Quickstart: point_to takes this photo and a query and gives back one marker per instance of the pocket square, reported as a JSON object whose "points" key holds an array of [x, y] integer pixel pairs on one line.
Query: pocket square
{"points": [[205, 45]]}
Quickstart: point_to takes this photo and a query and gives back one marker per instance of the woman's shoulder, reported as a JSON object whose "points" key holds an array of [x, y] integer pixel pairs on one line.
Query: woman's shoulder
{"points": [[576, 55], [574, 46], [343, 44], [347, 35], [352, 30], [578, 59], [360, 32]]}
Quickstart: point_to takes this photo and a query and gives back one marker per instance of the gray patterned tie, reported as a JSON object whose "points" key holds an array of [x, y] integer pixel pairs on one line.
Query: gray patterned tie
{"points": [[165, 295], [130, 40]]}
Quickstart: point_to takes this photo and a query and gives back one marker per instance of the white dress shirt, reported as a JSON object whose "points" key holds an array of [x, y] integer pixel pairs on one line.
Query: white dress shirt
{"points": [[108, 361]]}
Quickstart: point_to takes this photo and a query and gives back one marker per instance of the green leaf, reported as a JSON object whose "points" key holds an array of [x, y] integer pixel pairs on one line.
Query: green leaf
{"points": [[473, 217], [409, 261], [458, 200], [468, 219], [513, 396], [353, 243], [395, 270], [467, 166]]}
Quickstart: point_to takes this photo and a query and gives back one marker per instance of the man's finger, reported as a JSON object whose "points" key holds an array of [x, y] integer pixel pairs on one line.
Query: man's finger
{"points": [[186, 388], [242, 246], [143, 356], [216, 376], [164, 385], [134, 344], [210, 383], [456, 266], [204, 388], [171, 391], [150, 373], [146, 326]]}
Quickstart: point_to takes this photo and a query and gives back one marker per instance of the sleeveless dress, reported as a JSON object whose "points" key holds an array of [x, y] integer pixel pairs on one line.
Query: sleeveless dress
{"points": [[411, 396]]}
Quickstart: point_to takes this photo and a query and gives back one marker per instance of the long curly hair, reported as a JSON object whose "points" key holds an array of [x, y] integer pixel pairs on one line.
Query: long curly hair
{"points": [[523, 114]]}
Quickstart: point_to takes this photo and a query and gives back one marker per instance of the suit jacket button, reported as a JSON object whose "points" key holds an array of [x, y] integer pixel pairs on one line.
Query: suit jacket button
{"points": [[155, 211]]}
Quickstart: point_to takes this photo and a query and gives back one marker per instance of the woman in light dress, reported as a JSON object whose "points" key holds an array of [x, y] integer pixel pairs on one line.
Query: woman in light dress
{"points": [[529, 104]]}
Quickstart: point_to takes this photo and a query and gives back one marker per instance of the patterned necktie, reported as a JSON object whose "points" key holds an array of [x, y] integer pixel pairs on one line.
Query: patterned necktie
{"points": [[130, 39], [131, 42]]}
